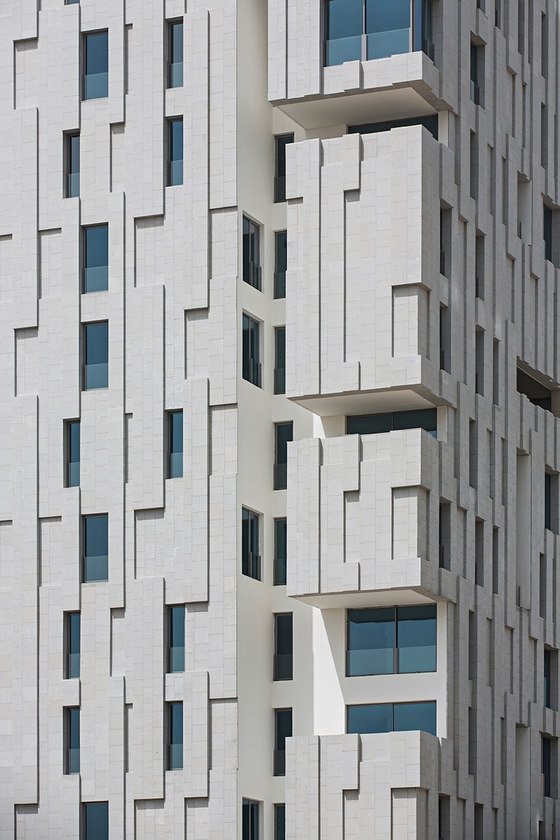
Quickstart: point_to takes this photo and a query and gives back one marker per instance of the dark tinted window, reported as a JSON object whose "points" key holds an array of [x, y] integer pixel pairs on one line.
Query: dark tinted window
{"points": [[96, 547], [280, 360], [72, 645], [431, 123], [280, 165], [175, 54], [72, 186], [284, 433], [252, 272], [280, 264], [96, 821], [73, 453], [283, 646], [96, 340], [175, 172], [96, 258], [176, 639], [175, 431], [390, 717], [370, 424], [96, 58], [280, 546], [251, 369], [250, 558], [175, 757], [282, 730]]}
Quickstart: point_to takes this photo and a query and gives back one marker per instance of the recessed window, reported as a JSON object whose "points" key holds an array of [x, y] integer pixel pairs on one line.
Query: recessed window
{"points": [[96, 356], [72, 740], [72, 165], [252, 271], [250, 543], [550, 674], [551, 234], [477, 74], [280, 360], [391, 640], [282, 730], [251, 351], [96, 259], [373, 424], [280, 551], [176, 624], [280, 821], [70, 2], [175, 434], [72, 645], [72, 447], [175, 732], [96, 65], [250, 820], [175, 46], [430, 123], [283, 646], [96, 547], [283, 434], [366, 29], [392, 717], [551, 502], [280, 263], [175, 152], [280, 143], [96, 820], [549, 770]]}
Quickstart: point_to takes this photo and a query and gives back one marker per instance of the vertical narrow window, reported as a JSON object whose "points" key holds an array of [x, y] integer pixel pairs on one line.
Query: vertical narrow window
{"points": [[251, 351], [250, 544], [283, 646], [96, 820], [250, 820], [176, 625], [72, 645], [280, 360], [280, 822], [479, 552], [474, 165], [175, 152], [175, 437], [175, 736], [96, 548], [551, 502], [444, 339], [496, 372], [72, 160], [479, 362], [280, 263], [283, 434], [477, 74], [444, 535], [282, 730], [72, 444], [280, 143], [547, 679], [544, 135], [472, 757], [96, 65], [280, 546], [252, 271], [96, 259], [479, 265], [72, 740], [495, 561], [175, 47], [96, 356], [550, 674], [551, 235], [549, 766], [445, 237], [444, 821], [473, 453], [544, 45], [478, 821]]}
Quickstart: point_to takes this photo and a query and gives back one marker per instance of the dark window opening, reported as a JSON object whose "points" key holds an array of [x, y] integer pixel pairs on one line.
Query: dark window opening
{"points": [[392, 717], [372, 424], [429, 122], [250, 543], [283, 434], [280, 263], [281, 142]]}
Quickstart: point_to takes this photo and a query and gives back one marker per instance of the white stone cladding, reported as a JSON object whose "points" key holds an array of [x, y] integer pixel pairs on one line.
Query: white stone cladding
{"points": [[365, 290]]}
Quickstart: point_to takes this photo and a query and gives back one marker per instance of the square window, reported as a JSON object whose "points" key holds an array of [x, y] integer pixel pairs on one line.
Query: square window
{"points": [[96, 65], [96, 547], [387, 640]]}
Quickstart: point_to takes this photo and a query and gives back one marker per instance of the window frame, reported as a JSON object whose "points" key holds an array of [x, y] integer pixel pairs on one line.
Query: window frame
{"points": [[171, 626], [280, 275], [85, 38], [85, 328], [281, 141], [173, 66], [85, 519], [174, 178], [71, 476], [280, 580], [251, 252], [71, 760], [251, 365], [251, 807], [69, 640], [392, 705], [85, 266], [279, 756], [71, 186], [251, 565], [283, 668], [279, 351], [172, 468], [280, 476]]}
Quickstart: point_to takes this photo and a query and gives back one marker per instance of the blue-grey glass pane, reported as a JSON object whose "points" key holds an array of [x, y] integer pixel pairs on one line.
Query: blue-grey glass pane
{"points": [[96, 53], [547, 677], [73, 666], [74, 474], [283, 727], [384, 44], [416, 638], [176, 659], [279, 822], [176, 43], [96, 535], [369, 424], [176, 431], [409, 716], [74, 729], [97, 346], [74, 154], [97, 376], [284, 434], [367, 719], [422, 419], [96, 86], [96, 820], [74, 628], [382, 16], [176, 140], [74, 760], [283, 666], [177, 629], [340, 50], [96, 568], [344, 18], [175, 464], [73, 185], [175, 173], [74, 441], [96, 279], [175, 756], [71, 2], [371, 641], [176, 74], [280, 526]]}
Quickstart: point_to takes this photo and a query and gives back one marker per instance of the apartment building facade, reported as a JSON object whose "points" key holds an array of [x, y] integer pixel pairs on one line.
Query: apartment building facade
{"points": [[280, 511]]}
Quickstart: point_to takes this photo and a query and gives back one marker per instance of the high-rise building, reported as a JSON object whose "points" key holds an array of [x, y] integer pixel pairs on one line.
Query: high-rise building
{"points": [[280, 508]]}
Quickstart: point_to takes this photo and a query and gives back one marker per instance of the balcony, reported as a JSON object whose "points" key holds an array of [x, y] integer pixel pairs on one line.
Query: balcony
{"points": [[358, 509], [363, 286]]}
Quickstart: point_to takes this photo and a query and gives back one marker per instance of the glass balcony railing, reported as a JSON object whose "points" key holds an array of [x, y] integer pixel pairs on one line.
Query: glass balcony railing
{"points": [[74, 474], [176, 659], [175, 757], [279, 380], [73, 666], [74, 760], [175, 175], [73, 184], [176, 74], [96, 278], [96, 567], [280, 284], [280, 476], [283, 666], [96, 376], [175, 465], [96, 85]]}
